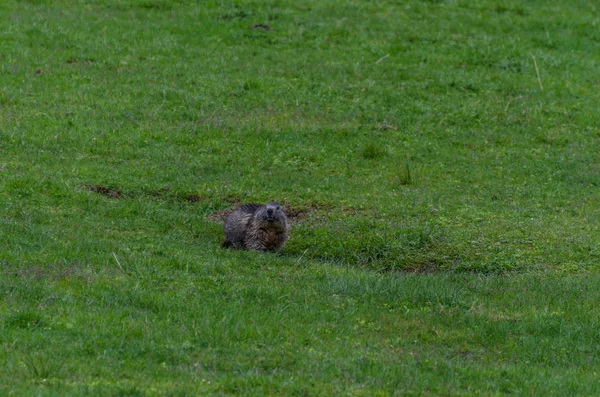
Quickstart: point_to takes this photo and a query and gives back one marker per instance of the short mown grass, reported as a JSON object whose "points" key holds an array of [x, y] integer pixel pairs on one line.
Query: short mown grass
{"points": [[438, 160]]}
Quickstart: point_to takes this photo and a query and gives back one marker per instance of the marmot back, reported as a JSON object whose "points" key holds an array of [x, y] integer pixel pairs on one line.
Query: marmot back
{"points": [[257, 227]]}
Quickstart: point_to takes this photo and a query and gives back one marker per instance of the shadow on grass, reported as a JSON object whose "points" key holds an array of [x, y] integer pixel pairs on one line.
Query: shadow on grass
{"points": [[390, 248], [367, 244]]}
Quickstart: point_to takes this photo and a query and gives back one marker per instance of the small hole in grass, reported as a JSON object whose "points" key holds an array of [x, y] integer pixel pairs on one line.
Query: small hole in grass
{"points": [[105, 191], [261, 26], [193, 198], [372, 151]]}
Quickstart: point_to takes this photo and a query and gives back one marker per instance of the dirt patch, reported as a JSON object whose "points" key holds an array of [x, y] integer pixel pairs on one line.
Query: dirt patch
{"points": [[386, 127], [294, 214], [422, 268], [352, 211], [79, 62], [57, 272], [220, 216], [105, 191]]}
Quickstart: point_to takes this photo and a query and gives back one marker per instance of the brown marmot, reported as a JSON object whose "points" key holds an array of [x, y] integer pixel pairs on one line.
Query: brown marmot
{"points": [[257, 227]]}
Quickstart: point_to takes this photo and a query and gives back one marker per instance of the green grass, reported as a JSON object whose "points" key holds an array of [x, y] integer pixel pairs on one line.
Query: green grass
{"points": [[441, 158]]}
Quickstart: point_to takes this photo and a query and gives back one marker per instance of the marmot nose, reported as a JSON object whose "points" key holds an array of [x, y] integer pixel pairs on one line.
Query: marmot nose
{"points": [[270, 211]]}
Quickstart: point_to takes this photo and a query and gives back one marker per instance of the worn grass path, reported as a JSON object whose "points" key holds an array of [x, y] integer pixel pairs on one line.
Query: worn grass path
{"points": [[440, 160]]}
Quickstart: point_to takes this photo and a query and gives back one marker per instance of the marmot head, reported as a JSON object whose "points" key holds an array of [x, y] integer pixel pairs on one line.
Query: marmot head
{"points": [[271, 212]]}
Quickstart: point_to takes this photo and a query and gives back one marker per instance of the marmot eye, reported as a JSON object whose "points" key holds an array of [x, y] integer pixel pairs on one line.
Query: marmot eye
{"points": [[278, 208]]}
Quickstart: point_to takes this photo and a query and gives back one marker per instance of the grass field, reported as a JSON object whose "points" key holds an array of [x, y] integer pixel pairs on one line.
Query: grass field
{"points": [[440, 161]]}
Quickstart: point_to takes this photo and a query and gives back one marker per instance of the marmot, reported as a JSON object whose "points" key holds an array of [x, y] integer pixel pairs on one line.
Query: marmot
{"points": [[257, 227]]}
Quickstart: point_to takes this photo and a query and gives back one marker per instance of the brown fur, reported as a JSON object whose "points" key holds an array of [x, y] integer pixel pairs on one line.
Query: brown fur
{"points": [[256, 227]]}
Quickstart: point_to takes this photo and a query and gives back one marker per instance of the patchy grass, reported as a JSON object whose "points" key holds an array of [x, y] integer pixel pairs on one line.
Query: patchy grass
{"points": [[439, 160]]}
